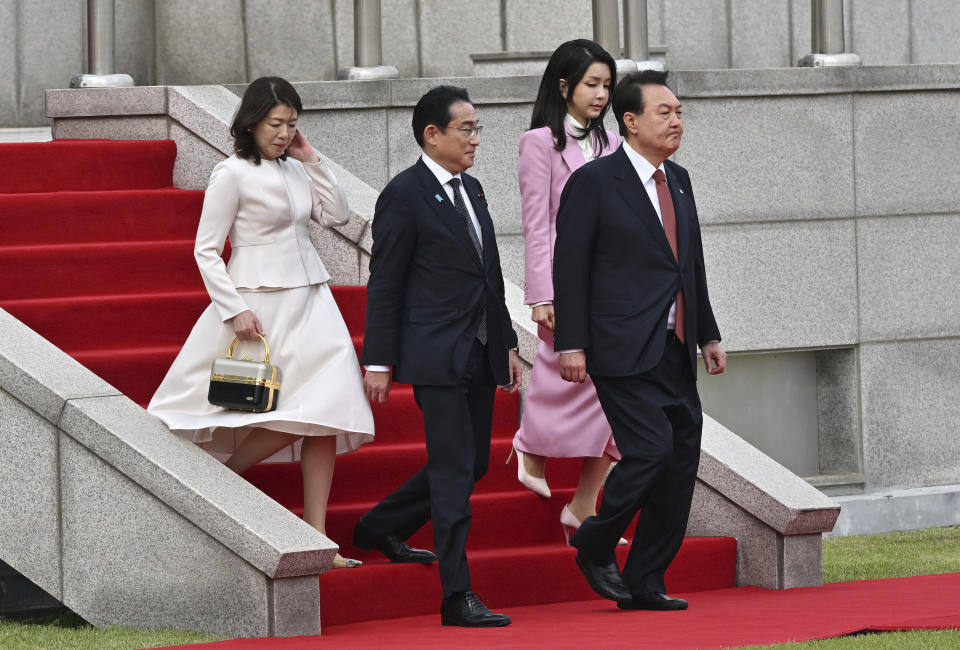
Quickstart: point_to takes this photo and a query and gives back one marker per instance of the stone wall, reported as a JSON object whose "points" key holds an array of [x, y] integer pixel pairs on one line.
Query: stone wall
{"points": [[185, 42]]}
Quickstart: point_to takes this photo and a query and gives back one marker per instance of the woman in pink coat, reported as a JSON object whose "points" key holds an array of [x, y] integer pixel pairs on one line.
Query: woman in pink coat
{"points": [[561, 419]]}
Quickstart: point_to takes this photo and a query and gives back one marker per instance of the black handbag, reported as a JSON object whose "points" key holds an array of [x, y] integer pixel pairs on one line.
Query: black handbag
{"points": [[244, 384]]}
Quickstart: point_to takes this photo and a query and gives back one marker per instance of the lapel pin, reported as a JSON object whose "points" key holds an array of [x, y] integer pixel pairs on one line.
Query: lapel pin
{"points": [[438, 198], [479, 195], [681, 189]]}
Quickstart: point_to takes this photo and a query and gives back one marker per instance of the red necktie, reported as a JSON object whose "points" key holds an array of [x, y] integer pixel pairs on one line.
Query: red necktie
{"points": [[669, 218]]}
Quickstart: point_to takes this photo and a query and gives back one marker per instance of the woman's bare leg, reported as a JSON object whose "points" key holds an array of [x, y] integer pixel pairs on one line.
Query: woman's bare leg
{"points": [[535, 465], [258, 445], [317, 460], [592, 475]]}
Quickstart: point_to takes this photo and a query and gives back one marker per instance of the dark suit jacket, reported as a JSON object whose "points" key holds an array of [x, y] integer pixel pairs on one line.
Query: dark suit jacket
{"points": [[427, 283], [615, 275]]}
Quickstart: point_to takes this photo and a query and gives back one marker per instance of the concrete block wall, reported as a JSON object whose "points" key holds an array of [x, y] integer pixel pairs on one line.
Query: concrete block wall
{"points": [[828, 222], [184, 42]]}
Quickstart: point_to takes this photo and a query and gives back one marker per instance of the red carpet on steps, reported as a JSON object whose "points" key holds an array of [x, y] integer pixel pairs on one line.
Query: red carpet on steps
{"points": [[724, 618], [86, 165], [97, 256]]}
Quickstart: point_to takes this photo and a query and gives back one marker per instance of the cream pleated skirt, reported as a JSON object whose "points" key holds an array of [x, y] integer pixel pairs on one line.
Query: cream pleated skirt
{"points": [[321, 393]]}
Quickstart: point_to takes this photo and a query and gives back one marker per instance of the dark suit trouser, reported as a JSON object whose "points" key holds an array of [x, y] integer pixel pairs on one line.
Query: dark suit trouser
{"points": [[457, 421], [657, 422]]}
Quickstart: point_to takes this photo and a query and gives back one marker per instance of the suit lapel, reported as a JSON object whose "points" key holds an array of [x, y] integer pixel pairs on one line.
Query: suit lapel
{"points": [[571, 153], [632, 191], [436, 197]]}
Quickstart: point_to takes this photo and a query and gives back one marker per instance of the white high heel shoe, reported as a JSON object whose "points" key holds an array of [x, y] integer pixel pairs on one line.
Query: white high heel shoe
{"points": [[534, 484], [570, 524]]}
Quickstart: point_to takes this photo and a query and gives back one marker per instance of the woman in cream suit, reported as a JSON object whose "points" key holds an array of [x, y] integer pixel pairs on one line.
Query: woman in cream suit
{"points": [[263, 198], [561, 419]]}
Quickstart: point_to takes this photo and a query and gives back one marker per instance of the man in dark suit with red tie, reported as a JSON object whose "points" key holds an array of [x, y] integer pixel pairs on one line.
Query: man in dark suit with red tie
{"points": [[437, 318], [631, 302]]}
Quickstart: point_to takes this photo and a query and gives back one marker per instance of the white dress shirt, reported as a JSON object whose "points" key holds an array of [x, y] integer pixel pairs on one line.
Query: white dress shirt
{"points": [[586, 144]]}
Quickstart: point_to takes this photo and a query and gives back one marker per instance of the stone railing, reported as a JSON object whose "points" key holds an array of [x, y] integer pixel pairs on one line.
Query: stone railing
{"points": [[125, 523]]}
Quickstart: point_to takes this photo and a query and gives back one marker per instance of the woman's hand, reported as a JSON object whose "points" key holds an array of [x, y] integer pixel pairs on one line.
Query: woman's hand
{"points": [[246, 326], [300, 149], [543, 315]]}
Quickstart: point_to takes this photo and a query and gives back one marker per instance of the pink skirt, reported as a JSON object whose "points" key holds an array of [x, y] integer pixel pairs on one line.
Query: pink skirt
{"points": [[562, 419]]}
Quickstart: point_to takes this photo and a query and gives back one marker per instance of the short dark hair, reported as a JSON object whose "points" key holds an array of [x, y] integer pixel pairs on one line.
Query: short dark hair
{"points": [[628, 97], [259, 99], [570, 62], [434, 108]]}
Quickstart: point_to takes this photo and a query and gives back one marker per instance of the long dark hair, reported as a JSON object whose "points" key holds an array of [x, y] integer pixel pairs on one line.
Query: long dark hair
{"points": [[259, 99], [570, 62]]}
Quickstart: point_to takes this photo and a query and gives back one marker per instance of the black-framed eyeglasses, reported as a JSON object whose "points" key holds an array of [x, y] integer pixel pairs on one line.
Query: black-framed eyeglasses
{"points": [[469, 132]]}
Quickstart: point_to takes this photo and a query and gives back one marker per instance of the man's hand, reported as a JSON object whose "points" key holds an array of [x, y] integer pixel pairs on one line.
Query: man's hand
{"points": [[714, 358], [377, 385], [573, 366], [543, 315], [516, 373]]}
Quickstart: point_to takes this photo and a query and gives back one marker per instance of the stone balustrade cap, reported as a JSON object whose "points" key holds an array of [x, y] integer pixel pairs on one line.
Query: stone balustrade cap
{"points": [[186, 478], [760, 485]]}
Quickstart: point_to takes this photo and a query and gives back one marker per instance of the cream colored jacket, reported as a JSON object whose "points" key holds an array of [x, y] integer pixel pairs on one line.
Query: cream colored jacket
{"points": [[265, 210]]}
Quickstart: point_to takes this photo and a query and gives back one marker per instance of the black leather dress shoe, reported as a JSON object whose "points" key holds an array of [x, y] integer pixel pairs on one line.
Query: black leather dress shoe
{"points": [[605, 579], [465, 609], [393, 547], [659, 602]]}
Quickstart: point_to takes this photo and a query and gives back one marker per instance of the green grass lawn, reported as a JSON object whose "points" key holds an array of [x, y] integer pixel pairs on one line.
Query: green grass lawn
{"points": [[916, 640], [865, 557], [70, 632], [916, 553]]}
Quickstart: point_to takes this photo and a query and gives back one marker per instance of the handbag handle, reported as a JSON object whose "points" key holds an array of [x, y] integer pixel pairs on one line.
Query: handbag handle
{"points": [[266, 348]]}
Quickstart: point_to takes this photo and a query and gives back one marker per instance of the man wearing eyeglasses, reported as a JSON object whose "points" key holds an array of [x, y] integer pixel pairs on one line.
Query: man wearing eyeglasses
{"points": [[437, 319]]}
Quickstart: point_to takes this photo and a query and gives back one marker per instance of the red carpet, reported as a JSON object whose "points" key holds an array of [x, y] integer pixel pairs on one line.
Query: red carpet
{"points": [[86, 165], [97, 256], [723, 618]]}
